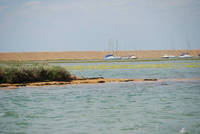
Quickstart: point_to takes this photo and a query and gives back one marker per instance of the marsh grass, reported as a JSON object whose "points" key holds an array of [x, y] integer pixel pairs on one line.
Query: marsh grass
{"points": [[24, 73], [135, 66]]}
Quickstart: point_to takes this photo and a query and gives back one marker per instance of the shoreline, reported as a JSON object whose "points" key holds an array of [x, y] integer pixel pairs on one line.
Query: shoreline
{"points": [[73, 82], [94, 61], [4, 86]]}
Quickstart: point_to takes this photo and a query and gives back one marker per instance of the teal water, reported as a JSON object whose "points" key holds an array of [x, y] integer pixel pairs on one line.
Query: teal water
{"points": [[177, 69], [169, 107]]}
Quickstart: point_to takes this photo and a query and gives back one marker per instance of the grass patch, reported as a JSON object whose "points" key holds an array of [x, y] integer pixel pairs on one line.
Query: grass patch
{"points": [[25, 73], [134, 66], [113, 61]]}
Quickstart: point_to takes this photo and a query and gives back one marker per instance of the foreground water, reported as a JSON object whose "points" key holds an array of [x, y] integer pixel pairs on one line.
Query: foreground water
{"points": [[168, 107]]}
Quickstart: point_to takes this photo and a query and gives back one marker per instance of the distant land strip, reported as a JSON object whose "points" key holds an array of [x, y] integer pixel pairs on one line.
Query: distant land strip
{"points": [[89, 55]]}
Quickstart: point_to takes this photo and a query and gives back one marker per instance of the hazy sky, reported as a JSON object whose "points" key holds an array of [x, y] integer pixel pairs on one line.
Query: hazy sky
{"points": [[68, 25]]}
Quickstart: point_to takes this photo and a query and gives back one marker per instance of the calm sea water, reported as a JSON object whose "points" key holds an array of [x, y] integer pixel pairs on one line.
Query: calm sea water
{"points": [[169, 107]]}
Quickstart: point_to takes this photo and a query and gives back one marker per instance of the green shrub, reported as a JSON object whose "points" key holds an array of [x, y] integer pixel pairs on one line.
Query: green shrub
{"points": [[23, 73]]}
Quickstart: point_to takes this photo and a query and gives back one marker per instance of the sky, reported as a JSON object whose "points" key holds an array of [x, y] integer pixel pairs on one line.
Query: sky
{"points": [[81, 25]]}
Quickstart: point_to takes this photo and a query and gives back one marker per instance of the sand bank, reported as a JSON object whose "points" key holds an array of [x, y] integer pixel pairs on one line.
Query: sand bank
{"points": [[89, 55], [90, 81], [78, 81]]}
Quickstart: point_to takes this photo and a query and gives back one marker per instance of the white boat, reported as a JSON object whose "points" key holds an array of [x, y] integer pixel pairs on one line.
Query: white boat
{"points": [[185, 55], [124, 58], [166, 56], [111, 57], [132, 57], [128, 58]]}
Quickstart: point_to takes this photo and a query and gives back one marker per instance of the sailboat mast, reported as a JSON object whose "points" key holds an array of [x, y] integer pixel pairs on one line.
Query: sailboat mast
{"points": [[110, 45], [116, 47]]}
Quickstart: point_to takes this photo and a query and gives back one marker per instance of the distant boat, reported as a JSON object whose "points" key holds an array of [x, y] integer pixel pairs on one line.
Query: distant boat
{"points": [[185, 55], [128, 58], [132, 57], [111, 57], [166, 56], [124, 58]]}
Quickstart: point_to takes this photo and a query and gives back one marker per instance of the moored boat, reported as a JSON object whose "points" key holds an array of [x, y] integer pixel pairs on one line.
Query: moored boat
{"points": [[111, 57], [185, 55], [132, 57], [166, 56]]}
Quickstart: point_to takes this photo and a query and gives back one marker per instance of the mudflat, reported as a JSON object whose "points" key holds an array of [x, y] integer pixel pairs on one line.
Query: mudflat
{"points": [[4, 86], [89, 55], [78, 81]]}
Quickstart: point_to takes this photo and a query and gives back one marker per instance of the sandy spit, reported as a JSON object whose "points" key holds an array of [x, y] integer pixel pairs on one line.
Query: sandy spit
{"points": [[82, 81], [90, 81]]}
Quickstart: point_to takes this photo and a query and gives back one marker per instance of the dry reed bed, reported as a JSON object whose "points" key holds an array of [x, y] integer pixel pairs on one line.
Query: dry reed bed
{"points": [[89, 55]]}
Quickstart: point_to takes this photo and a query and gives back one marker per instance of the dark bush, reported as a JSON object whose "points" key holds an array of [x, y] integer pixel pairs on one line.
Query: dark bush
{"points": [[32, 73]]}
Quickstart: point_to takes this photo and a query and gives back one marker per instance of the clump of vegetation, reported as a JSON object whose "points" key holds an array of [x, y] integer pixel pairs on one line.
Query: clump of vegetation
{"points": [[24, 73]]}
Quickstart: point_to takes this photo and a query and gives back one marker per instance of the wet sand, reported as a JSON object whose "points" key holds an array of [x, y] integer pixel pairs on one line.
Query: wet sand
{"points": [[89, 81], [78, 81]]}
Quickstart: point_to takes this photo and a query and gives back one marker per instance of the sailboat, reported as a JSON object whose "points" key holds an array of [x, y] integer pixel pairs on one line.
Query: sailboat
{"points": [[111, 56], [187, 55], [167, 56]]}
